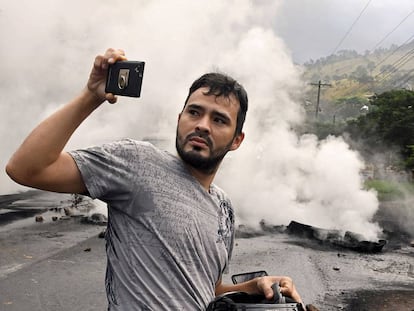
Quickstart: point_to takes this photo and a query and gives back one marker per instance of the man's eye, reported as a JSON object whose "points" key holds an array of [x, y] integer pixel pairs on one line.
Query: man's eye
{"points": [[193, 112], [220, 120]]}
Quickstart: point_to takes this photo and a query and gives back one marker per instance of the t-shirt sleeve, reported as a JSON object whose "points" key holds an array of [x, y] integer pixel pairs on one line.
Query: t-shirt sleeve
{"points": [[107, 169]]}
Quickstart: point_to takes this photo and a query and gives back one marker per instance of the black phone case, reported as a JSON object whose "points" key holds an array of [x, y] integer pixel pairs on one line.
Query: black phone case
{"points": [[120, 73], [243, 277]]}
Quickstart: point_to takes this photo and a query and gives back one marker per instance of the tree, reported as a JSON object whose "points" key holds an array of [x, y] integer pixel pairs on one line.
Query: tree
{"points": [[389, 123], [361, 75]]}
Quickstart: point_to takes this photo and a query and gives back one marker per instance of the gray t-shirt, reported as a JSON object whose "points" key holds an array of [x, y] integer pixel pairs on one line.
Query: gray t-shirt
{"points": [[168, 240]]}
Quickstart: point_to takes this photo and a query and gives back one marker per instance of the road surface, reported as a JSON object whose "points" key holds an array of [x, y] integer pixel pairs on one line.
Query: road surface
{"points": [[60, 265]]}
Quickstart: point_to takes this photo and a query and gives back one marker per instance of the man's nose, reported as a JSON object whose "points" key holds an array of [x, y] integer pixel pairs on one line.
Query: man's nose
{"points": [[203, 124]]}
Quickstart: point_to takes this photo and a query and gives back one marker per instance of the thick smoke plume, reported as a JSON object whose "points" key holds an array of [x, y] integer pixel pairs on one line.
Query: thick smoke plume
{"points": [[276, 175]]}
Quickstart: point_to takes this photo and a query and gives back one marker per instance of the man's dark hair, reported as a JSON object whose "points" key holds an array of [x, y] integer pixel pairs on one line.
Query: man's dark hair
{"points": [[223, 85]]}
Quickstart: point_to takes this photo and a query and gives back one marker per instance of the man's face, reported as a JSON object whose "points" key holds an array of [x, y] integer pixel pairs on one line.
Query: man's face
{"points": [[206, 130]]}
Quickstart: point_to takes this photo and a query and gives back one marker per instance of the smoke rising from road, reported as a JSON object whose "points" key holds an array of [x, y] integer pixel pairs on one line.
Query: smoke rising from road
{"points": [[275, 175]]}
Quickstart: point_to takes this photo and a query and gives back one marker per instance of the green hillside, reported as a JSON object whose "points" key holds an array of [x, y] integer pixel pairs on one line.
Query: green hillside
{"points": [[351, 79]]}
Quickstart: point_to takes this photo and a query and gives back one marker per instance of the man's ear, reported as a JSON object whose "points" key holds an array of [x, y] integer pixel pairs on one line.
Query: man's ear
{"points": [[237, 141]]}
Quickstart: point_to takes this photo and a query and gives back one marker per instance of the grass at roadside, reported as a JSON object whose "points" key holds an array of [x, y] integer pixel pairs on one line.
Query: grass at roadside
{"points": [[390, 190]]}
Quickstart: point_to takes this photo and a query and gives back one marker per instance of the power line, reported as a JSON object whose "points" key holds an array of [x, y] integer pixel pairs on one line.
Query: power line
{"points": [[393, 52], [392, 69], [350, 28], [395, 28], [404, 79], [397, 64]]}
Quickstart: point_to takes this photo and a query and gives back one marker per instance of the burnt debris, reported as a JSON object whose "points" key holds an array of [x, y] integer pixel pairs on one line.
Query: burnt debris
{"points": [[326, 237], [349, 240]]}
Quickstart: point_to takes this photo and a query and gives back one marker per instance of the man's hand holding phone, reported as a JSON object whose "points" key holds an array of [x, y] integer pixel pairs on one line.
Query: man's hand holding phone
{"points": [[98, 76]]}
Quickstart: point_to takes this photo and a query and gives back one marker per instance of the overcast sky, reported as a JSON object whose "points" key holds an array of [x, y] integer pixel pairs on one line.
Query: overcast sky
{"points": [[314, 28]]}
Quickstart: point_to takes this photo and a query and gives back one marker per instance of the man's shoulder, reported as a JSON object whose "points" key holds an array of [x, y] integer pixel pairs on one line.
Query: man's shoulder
{"points": [[128, 144], [131, 150], [148, 152]]}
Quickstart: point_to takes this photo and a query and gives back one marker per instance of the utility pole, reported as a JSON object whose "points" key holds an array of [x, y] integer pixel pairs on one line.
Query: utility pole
{"points": [[319, 84]]}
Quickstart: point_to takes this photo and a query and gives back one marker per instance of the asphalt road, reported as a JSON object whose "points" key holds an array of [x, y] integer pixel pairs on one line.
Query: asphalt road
{"points": [[61, 266]]}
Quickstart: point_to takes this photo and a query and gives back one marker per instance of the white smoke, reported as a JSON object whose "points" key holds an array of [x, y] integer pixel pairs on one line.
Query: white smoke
{"points": [[276, 175]]}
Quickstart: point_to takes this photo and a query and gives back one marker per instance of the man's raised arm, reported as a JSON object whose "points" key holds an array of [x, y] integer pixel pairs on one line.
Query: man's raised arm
{"points": [[40, 161]]}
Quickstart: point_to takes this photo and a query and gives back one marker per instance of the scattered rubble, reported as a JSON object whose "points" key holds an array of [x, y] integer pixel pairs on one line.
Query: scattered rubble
{"points": [[102, 234], [95, 219], [68, 211]]}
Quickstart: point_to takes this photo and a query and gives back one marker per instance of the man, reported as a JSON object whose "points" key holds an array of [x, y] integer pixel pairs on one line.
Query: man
{"points": [[170, 229]]}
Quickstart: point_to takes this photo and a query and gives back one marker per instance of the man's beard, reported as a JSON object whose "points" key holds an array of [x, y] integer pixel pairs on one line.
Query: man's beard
{"points": [[207, 165]]}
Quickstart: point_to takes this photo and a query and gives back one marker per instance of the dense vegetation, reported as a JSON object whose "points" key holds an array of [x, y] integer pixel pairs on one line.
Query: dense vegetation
{"points": [[390, 124]]}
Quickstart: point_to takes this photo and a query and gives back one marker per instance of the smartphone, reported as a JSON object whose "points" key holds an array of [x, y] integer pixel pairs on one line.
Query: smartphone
{"points": [[247, 276], [124, 78]]}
